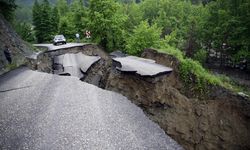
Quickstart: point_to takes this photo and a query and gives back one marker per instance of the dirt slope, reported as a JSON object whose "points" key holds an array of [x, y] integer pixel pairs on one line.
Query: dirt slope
{"points": [[222, 121], [19, 49]]}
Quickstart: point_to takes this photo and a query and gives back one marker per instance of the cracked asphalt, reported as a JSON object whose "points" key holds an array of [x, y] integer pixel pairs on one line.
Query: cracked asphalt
{"points": [[45, 111], [52, 47]]}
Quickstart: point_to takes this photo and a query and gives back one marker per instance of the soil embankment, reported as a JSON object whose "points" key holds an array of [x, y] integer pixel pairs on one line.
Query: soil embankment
{"points": [[220, 121]]}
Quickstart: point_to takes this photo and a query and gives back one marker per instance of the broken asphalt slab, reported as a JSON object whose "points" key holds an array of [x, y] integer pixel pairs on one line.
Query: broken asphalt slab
{"points": [[141, 66], [57, 112], [74, 64]]}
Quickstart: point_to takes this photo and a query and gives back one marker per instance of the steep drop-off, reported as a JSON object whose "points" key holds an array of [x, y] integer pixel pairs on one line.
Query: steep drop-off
{"points": [[220, 121]]}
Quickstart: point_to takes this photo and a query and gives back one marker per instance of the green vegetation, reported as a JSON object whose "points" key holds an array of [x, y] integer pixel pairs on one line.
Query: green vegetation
{"points": [[197, 78], [201, 56], [221, 26], [191, 70], [42, 20], [25, 31], [189, 29], [106, 23], [7, 8], [191, 25], [143, 36]]}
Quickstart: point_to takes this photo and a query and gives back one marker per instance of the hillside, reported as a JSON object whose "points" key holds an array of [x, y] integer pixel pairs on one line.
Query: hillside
{"points": [[31, 2], [19, 49]]}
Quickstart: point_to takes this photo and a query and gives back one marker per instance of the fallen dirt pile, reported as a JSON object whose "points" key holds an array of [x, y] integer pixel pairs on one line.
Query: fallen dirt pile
{"points": [[220, 121]]}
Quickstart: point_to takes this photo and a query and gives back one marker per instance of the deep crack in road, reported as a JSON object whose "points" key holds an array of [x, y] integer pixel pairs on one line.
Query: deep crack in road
{"points": [[56, 112]]}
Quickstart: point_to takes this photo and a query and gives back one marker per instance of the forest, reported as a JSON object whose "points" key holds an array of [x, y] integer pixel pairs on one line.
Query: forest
{"points": [[198, 28]]}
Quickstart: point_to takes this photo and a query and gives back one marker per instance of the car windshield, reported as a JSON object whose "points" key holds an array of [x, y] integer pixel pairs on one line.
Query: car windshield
{"points": [[59, 37]]}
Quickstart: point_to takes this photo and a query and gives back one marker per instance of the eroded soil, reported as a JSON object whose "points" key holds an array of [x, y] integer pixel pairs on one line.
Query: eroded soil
{"points": [[221, 121]]}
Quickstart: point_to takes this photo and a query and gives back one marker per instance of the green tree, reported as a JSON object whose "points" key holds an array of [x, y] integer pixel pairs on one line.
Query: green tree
{"points": [[134, 13], [143, 36], [79, 14], [46, 22], [42, 21], [7, 8], [36, 11], [106, 24], [55, 20], [24, 30], [227, 28], [150, 9], [62, 6], [67, 28]]}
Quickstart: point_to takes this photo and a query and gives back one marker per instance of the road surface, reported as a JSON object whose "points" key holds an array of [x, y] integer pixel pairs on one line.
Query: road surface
{"points": [[52, 47], [141, 66], [74, 64], [45, 111]]}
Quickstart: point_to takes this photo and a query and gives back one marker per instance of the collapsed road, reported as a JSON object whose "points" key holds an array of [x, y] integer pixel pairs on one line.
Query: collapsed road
{"points": [[141, 66], [46, 111], [73, 64], [217, 120]]}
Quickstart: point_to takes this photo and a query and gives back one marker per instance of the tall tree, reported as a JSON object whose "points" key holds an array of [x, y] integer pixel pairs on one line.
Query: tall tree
{"points": [[25, 31], [106, 24], [36, 15], [42, 21], [134, 13], [46, 22], [79, 14], [227, 29], [62, 7], [7, 8], [55, 20]]}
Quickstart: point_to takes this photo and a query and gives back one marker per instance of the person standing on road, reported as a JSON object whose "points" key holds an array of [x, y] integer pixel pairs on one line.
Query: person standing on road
{"points": [[77, 37], [7, 54]]}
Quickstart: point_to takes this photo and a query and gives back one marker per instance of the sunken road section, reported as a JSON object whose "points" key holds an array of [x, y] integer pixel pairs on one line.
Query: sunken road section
{"points": [[46, 111]]}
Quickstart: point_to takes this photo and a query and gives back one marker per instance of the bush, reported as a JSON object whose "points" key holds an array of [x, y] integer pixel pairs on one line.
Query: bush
{"points": [[201, 56], [143, 36]]}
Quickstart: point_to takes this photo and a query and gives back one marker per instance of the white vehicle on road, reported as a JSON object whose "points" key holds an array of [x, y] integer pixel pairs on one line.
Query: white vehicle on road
{"points": [[59, 39]]}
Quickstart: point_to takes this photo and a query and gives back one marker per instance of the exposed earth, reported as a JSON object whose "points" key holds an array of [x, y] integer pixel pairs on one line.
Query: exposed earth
{"points": [[46, 111], [220, 120]]}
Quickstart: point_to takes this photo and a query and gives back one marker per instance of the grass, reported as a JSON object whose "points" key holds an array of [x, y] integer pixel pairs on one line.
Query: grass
{"points": [[203, 78]]}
